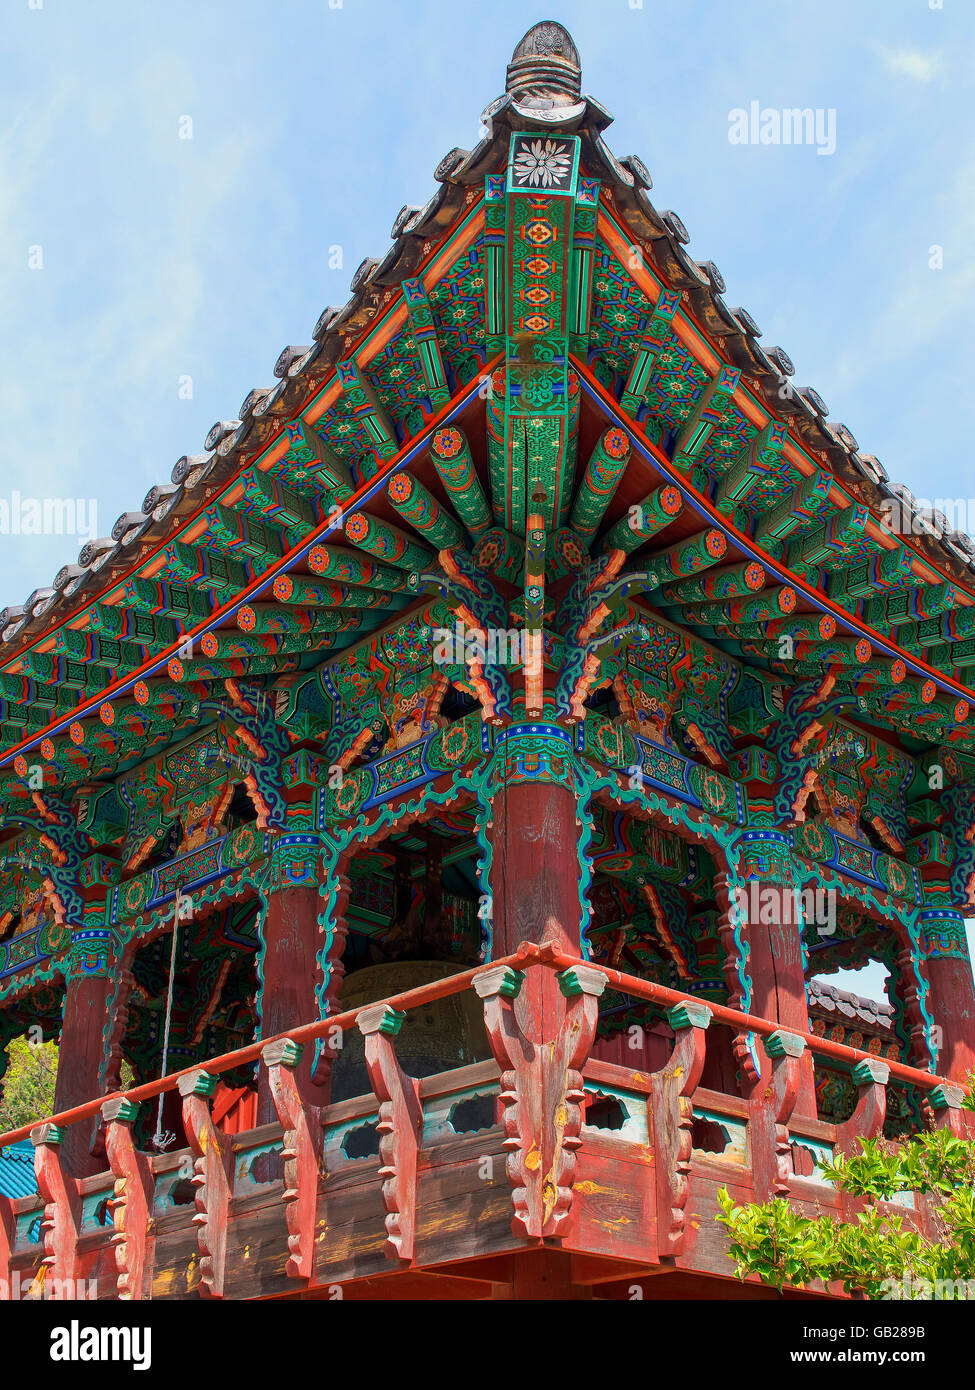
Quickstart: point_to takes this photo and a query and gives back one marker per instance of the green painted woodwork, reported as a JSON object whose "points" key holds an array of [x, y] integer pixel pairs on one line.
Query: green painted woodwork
{"points": [[606, 466], [416, 505], [644, 520], [451, 456]]}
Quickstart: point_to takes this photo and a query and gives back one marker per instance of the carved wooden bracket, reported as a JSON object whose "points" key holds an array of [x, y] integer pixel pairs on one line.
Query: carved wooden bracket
{"points": [[867, 1120], [770, 1107], [62, 1213], [542, 1093], [498, 988], [671, 1114], [302, 1151], [911, 992], [400, 1126], [946, 1104], [564, 1093], [131, 1205], [212, 1150]]}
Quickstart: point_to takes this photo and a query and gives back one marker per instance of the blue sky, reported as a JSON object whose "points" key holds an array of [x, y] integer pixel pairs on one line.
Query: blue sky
{"points": [[312, 123]]}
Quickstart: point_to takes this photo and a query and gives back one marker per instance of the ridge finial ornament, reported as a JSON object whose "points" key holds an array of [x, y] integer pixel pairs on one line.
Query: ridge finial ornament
{"points": [[545, 64]]}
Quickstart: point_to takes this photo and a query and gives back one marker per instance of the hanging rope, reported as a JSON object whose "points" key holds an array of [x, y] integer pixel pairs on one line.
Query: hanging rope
{"points": [[162, 1139]]}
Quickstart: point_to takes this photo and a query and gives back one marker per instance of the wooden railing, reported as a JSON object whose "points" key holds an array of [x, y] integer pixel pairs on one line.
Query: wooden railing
{"points": [[558, 1168]]}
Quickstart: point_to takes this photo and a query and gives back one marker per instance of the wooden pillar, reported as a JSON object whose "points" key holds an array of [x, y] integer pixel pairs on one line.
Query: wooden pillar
{"points": [[771, 921], [289, 974], [779, 993], [82, 1047], [535, 889], [535, 866], [951, 1004], [542, 1276]]}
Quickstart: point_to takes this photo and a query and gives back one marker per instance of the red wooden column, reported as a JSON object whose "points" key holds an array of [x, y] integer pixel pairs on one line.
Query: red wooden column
{"points": [[534, 879], [771, 924], [534, 834], [289, 971], [951, 1003], [779, 993], [82, 1058]]}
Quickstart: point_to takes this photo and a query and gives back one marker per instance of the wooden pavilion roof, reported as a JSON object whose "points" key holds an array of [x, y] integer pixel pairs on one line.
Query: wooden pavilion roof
{"points": [[240, 555]]}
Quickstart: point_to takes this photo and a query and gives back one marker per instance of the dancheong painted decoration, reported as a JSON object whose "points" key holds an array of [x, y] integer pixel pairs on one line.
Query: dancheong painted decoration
{"points": [[428, 821]]}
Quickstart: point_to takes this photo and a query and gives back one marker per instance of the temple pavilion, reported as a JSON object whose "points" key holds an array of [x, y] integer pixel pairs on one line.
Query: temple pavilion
{"points": [[429, 821]]}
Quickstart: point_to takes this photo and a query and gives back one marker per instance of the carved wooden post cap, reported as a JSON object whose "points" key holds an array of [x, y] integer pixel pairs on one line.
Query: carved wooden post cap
{"points": [[689, 1015], [283, 1052], [379, 1018], [46, 1134], [782, 1044], [871, 1071], [942, 1098], [197, 1083], [120, 1109], [501, 980], [581, 979]]}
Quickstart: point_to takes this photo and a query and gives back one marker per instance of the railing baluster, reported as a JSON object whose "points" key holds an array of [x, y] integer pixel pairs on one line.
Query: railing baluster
{"points": [[61, 1223], [541, 1091], [400, 1126], [301, 1150], [212, 1150], [131, 1206], [671, 1115], [946, 1102], [867, 1120], [770, 1108]]}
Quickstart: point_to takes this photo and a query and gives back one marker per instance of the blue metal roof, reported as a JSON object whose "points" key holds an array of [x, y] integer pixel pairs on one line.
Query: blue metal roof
{"points": [[17, 1170]]}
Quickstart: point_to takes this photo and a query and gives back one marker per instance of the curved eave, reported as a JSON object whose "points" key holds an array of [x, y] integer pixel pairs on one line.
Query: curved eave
{"points": [[750, 551], [426, 243]]}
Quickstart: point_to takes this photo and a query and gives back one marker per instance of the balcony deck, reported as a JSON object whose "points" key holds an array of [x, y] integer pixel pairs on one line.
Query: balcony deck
{"points": [[475, 1193]]}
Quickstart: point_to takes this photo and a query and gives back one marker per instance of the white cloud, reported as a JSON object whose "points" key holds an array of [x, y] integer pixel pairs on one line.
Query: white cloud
{"points": [[910, 62]]}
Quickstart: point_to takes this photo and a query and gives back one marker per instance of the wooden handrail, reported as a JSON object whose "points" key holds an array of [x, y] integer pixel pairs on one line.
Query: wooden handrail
{"points": [[749, 1023], [527, 956]]}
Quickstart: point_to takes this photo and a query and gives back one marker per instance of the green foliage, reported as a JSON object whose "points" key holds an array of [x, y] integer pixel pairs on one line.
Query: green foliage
{"points": [[878, 1253], [28, 1085]]}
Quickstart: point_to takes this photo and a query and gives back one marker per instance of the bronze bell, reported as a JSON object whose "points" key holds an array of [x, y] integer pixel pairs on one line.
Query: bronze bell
{"points": [[435, 1037]]}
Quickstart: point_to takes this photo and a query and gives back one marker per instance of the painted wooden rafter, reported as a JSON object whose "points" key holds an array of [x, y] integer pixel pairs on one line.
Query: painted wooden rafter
{"points": [[424, 332]]}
